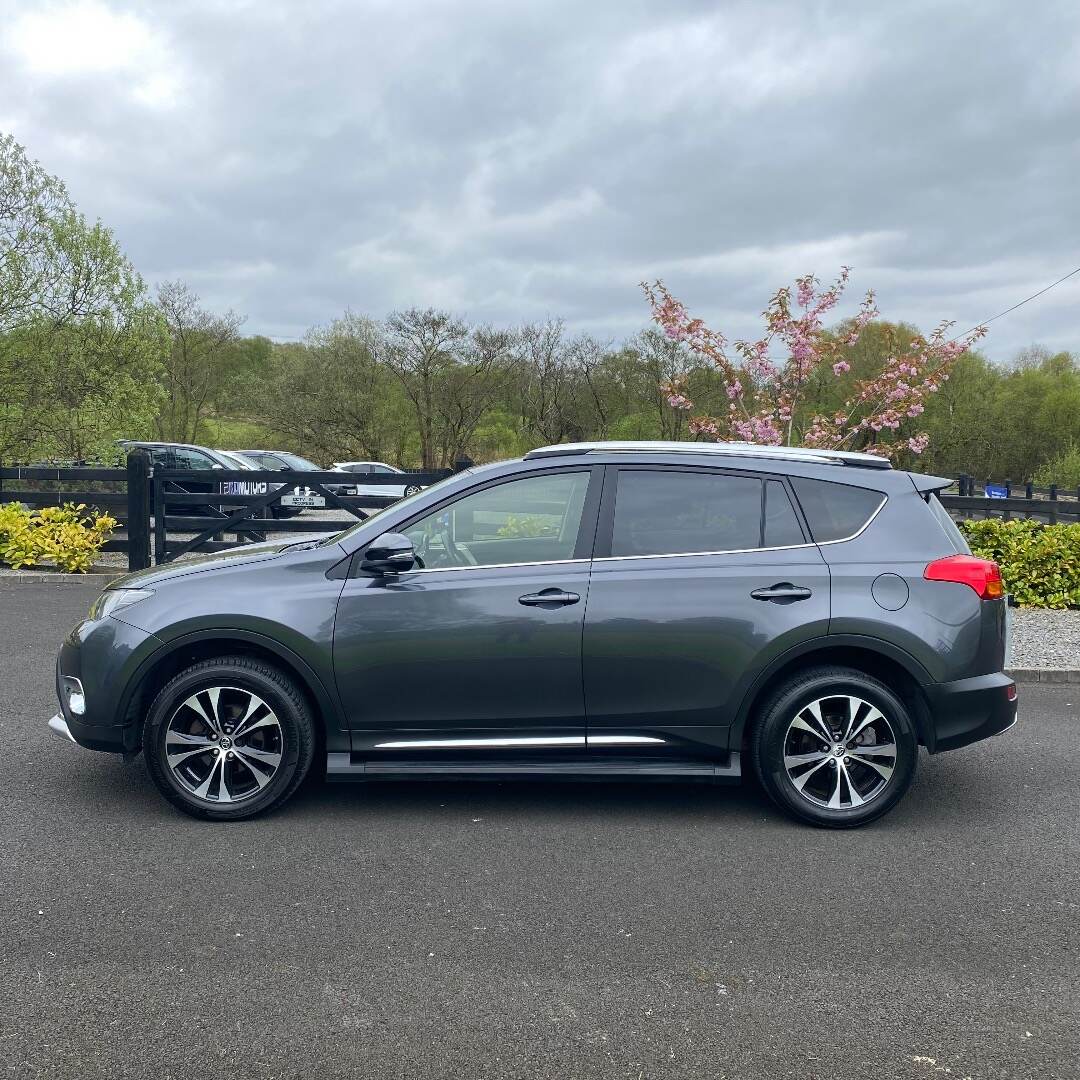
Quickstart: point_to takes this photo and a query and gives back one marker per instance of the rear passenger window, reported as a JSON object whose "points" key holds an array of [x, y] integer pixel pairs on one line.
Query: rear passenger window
{"points": [[782, 528], [664, 512], [835, 511]]}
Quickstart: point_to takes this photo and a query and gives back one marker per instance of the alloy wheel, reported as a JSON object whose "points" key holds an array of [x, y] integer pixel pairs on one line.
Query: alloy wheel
{"points": [[223, 744], [840, 752]]}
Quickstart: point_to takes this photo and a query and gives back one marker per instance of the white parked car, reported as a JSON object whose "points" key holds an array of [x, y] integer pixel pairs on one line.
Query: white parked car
{"points": [[369, 468]]}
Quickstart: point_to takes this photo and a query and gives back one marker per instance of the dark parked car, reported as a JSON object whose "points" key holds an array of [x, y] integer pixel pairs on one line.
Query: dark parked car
{"points": [[649, 610], [199, 459]]}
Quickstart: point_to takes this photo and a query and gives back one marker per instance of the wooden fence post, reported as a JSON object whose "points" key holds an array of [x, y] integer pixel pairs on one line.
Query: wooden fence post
{"points": [[138, 509]]}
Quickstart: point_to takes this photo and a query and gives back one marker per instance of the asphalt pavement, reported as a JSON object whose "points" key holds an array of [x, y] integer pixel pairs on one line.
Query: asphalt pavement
{"points": [[545, 930]]}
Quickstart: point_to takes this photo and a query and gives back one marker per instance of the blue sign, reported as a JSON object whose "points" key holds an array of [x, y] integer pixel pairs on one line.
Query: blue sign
{"points": [[996, 491]]}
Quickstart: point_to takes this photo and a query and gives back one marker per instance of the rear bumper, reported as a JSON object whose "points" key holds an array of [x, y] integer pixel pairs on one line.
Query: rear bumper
{"points": [[968, 710]]}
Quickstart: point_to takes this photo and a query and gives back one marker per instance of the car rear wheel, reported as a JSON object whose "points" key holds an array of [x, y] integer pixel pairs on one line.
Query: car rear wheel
{"points": [[835, 747], [411, 489], [229, 738]]}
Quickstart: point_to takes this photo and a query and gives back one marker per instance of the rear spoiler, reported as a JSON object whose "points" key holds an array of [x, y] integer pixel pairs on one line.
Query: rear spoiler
{"points": [[926, 484]]}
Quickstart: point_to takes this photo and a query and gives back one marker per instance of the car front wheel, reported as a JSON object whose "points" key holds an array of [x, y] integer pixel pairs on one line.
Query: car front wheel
{"points": [[835, 747], [229, 738]]}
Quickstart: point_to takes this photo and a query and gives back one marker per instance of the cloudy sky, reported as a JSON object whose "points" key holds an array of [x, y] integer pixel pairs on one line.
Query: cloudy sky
{"points": [[514, 160]]}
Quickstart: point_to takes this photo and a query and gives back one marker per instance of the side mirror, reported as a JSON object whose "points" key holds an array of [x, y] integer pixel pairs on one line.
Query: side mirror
{"points": [[391, 553]]}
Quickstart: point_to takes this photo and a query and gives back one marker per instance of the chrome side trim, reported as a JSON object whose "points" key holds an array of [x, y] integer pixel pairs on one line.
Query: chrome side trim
{"points": [[58, 725], [666, 555], [493, 566], [621, 740], [690, 554], [499, 742], [491, 743]]}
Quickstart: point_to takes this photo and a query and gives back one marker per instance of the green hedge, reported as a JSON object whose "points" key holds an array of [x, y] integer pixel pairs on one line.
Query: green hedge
{"points": [[1040, 563]]}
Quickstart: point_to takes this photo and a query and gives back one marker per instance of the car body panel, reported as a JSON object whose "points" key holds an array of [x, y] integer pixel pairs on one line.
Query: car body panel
{"points": [[490, 663]]}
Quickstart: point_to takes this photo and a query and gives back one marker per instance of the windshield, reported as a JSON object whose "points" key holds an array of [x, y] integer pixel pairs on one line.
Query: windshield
{"points": [[300, 463], [236, 461], [256, 460], [393, 506]]}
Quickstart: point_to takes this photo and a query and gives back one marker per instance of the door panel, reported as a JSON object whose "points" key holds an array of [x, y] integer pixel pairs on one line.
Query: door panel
{"points": [[672, 641], [477, 652], [455, 651]]}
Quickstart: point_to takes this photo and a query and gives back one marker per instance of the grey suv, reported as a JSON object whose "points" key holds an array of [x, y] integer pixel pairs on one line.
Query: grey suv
{"points": [[605, 610]]}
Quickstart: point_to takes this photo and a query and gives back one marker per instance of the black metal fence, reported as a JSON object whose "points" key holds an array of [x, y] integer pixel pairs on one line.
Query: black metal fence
{"points": [[1051, 504], [166, 513]]}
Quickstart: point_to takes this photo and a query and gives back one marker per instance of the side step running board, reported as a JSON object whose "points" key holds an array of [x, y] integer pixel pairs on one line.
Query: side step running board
{"points": [[353, 767]]}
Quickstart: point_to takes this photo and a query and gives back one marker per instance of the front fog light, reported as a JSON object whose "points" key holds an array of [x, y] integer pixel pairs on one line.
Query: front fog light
{"points": [[76, 698]]}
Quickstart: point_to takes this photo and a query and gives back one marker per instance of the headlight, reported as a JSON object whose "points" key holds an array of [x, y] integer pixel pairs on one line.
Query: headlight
{"points": [[113, 600]]}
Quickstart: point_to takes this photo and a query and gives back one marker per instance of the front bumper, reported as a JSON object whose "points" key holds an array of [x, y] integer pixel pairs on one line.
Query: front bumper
{"points": [[58, 725], [968, 710], [98, 661]]}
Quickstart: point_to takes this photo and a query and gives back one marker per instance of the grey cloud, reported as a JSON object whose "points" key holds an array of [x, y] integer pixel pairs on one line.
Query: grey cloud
{"points": [[521, 160]]}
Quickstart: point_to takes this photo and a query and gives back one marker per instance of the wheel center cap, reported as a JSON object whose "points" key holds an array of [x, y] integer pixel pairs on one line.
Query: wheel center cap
{"points": [[225, 743], [839, 751]]}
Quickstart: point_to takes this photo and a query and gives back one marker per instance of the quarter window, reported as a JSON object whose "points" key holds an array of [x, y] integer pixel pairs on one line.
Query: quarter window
{"points": [[835, 511], [534, 519], [665, 512]]}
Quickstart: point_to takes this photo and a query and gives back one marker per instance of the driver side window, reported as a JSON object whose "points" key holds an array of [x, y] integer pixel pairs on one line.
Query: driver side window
{"points": [[535, 519]]}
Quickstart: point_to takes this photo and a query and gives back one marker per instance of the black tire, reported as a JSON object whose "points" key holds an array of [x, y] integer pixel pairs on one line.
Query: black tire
{"points": [[411, 489], [778, 740], [288, 734]]}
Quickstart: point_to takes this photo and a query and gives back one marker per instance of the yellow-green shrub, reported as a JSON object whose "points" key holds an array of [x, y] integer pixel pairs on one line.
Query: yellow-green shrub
{"points": [[65, 536], [1040, 564]]}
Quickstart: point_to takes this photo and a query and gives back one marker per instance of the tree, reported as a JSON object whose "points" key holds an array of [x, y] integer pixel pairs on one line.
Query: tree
{"points": [[80, 347], [767, 395], [549, 387], [194, 369], [421, 346], [334, 399]]}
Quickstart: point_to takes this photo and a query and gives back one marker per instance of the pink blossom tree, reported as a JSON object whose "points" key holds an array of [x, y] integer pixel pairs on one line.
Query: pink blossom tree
{"points": [[767, 395]]}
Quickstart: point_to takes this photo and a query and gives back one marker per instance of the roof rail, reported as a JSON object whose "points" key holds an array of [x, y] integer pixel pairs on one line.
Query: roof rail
{"points": [[734, 449]]}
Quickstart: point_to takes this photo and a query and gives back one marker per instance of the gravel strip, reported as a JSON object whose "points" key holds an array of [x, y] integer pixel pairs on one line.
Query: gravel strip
{"points": [[1042, 638]]}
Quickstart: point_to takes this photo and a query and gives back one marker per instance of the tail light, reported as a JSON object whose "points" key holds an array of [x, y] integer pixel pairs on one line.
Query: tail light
{"points": [[982, 575]]}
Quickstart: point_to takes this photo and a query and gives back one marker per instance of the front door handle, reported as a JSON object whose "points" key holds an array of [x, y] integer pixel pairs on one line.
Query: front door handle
{"points": [[782, 593], [549, 598]]}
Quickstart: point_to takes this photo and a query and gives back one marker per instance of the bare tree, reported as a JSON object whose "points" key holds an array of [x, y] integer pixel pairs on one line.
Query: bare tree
{"points": [[199, 339], [550, 384], [422, 346], [468, 388]]}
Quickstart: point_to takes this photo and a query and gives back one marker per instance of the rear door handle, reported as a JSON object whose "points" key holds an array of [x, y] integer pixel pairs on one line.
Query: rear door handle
{"points": [[549, 598], [782, 593]]}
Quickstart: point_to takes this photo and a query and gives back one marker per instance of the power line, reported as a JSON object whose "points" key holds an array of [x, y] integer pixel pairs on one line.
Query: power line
{"points": [[1033, 296]]}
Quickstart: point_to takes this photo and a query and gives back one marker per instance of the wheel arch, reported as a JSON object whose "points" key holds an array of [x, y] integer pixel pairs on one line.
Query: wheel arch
{"points": [[898, 669], [189, 649]]}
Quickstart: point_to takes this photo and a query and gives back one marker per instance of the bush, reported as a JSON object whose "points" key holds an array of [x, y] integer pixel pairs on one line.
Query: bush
{"points": [[1040, 564], [65, 536], [1063, 470]]}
